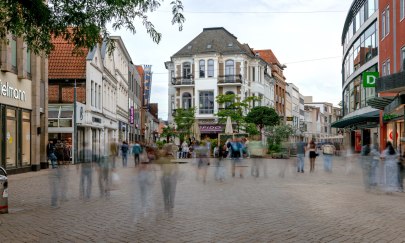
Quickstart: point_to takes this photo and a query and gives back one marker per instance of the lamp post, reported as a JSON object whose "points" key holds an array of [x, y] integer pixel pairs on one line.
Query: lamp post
{"points": [[75, 146]]}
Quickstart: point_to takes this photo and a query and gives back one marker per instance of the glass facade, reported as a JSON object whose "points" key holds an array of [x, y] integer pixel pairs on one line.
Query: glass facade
{"points": [[15, 137], [355, 96], [363, 50]]}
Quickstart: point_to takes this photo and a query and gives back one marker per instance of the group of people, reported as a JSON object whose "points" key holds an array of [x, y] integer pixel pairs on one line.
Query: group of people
{"points": [[383, 170], [58, 152]]}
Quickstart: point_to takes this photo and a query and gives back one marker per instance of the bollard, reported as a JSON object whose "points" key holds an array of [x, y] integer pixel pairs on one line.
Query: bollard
{"points": [[3, 191]]}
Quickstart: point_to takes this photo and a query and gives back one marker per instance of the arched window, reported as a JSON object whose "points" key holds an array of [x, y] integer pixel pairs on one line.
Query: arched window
{"points": [[227, 104], [202, 68], [210, 68], [229, 71], [186, 100]]}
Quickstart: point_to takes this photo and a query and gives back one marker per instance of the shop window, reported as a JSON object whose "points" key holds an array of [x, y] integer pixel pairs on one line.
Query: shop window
{"points": [[26, 139], [11, 139]]}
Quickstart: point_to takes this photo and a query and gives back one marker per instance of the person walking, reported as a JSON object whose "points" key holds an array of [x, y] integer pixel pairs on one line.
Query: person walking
{"points": [[136, 151], [301, 149], [390, 158], [124, 154], [312, 155], [328, 151], [51, 151], [86, 174]]}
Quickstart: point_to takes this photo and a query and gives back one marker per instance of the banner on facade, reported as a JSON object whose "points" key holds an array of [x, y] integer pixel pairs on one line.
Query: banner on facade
{"points": [[131, 115], [211, 128], [147, 85]]}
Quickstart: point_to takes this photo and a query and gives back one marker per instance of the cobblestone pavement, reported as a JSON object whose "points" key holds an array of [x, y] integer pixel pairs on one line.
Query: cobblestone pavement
{"points": [[294, 207]]}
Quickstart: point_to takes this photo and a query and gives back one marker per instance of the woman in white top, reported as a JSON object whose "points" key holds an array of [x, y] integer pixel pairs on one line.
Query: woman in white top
{"points": [[184, 148], [390, 158]]}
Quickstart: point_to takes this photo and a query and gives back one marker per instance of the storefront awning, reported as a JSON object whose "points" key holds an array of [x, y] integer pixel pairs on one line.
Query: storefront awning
{"points": [[372, 116], [379, 102]]}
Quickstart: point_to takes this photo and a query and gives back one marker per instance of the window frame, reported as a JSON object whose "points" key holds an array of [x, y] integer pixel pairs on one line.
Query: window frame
{"points": [[205, 99], [14, 53], [403, 58], [210, 68], [188, 99], [201, 68], [401, 10], [186, 75]]}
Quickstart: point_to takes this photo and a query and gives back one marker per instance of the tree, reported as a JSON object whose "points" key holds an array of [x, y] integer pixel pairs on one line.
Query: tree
{"points": [[234, 108], [37, 21], [184, 119], [262, 116], [277, 134], [168, 132]]}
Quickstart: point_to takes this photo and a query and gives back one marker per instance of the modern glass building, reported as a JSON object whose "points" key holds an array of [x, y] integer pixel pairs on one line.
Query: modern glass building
{"points": [[360, 54]]}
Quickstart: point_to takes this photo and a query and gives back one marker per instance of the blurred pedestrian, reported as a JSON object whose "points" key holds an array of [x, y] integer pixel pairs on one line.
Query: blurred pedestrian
{"points": [[58, 180], [390, 158], [312, 155], [301, 149], [375, 161], [104, 176], [220, 166], [136, 151], [366, 159], [113, 153], [236, 155], [201, 151], [124, 153], [256, 151], [328, 152], [86, 175], [169, 177]]}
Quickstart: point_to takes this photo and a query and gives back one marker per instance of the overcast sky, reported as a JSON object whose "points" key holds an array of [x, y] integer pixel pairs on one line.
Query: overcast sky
{"points": [[297, 31]]}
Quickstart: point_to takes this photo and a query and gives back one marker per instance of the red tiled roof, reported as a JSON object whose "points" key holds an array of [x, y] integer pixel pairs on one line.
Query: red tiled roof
{"points": [[139, 68], [64, 64], [268, 56]]}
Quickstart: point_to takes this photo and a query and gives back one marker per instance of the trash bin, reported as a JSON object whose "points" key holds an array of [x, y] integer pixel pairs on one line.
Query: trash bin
{"points": [[3, 191]]}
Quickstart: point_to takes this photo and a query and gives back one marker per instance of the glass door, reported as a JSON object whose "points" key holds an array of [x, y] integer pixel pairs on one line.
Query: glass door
{"points": [[11, 138]]}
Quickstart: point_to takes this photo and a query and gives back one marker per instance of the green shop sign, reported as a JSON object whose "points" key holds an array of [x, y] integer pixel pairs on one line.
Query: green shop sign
{"points": [[369, 79]]}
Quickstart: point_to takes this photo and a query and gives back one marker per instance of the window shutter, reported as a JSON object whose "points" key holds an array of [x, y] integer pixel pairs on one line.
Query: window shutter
{"points": [[178, 71], [238, 68], [221, 69]]}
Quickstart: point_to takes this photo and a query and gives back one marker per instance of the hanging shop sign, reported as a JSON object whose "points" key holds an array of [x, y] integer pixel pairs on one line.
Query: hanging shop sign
{"points": [[369, 79]]}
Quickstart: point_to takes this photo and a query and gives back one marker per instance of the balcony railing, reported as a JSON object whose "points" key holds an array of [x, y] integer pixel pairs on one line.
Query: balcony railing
{"points": [[188, 80], [230, 79]]}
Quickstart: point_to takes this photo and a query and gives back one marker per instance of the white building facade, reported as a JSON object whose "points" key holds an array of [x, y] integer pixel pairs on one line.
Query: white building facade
{"points": [[215, 63]]}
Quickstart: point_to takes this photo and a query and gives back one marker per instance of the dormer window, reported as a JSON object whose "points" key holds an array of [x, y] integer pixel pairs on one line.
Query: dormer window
{"points": [[209, 46], [230, 44], [189, 47]]}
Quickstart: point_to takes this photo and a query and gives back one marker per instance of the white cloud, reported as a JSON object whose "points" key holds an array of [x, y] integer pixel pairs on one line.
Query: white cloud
{"points": [[293, 37]]}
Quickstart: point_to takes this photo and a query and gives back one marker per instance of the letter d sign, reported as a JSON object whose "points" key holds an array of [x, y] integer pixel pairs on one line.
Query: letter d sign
{"points": [[369, 79]]}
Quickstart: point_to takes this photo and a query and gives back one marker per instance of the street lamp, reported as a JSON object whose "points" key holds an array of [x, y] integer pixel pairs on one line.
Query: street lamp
{"points": [[75, 145]]}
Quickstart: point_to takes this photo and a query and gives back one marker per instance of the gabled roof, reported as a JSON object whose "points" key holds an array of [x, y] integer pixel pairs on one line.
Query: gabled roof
{"points": [[268, 56], [214, 40], [64, 64]]}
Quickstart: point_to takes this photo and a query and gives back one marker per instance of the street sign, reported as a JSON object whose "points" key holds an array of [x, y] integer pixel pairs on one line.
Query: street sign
{"points": [[369, 79], [290, 118]]}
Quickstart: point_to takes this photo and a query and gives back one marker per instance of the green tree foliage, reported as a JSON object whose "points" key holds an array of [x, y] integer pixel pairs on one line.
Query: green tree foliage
{"points": [[168, 132], [36, 21], [262, 116], [234, 107], [278, 134], [184, 119]]}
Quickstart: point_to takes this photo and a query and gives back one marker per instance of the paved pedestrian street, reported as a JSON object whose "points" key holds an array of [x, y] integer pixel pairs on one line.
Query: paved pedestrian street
{"points": [[284, 207]]}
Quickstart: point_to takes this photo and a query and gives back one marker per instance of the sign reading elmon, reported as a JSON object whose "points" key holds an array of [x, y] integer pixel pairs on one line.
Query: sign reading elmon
{"points": [[11, 92]]}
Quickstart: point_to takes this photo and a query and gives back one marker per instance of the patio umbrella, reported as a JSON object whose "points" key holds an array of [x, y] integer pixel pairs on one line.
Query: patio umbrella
{"points": [[195, 129], [228, 127]]}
